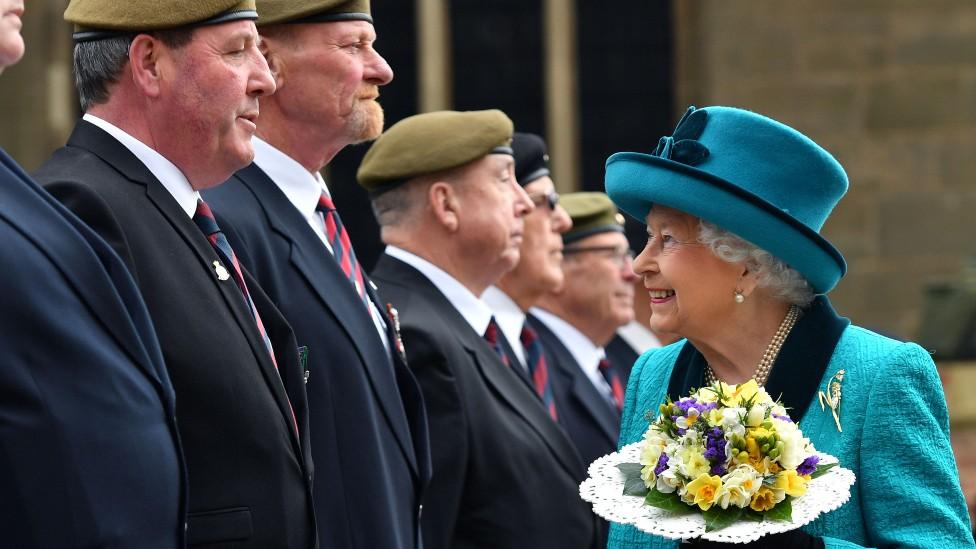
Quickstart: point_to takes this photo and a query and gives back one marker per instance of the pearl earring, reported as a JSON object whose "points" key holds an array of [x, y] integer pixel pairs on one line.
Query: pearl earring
{"points": [[738, 297]]}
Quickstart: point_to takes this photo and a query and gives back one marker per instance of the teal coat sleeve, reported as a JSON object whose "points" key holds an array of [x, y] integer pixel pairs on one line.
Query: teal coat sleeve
{"points": [[895, 438]]}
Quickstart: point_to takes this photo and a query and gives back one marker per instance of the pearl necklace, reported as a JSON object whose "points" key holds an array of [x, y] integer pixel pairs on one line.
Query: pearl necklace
{"points": [[772, 350]]}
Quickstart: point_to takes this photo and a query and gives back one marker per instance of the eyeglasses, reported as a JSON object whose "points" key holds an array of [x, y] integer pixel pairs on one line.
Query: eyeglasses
{"points": [[618, 254], [548, 198]]}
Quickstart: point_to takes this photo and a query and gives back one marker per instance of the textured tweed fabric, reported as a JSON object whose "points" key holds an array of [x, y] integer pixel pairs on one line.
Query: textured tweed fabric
{"points": [[895, 439]]}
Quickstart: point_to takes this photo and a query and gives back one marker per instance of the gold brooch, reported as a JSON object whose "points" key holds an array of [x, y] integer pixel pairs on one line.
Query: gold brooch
{"points": [[833, 400]]}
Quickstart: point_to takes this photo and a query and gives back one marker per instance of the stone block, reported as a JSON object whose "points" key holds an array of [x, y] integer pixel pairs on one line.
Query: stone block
{"points": [[926, 99]]}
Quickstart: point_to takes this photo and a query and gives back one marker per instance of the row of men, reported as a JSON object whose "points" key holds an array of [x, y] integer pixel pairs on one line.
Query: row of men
{"points": [[173, 359]]}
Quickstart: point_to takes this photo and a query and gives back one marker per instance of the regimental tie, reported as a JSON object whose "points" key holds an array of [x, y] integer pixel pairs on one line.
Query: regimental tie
{"points": [[535, 359], [205, 220], [492, 335], [613, 380], [342, 246]]}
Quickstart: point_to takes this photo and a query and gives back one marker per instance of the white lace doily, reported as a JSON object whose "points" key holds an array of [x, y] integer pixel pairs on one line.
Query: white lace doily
{"points": [[605, 485]]}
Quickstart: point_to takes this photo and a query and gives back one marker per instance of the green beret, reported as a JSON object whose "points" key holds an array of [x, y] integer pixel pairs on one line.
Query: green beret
{"points": [[312, 11], [97, 19], [431, 142], [592, 213]]}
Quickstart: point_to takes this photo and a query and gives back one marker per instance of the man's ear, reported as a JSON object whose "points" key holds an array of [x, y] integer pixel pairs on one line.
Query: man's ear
{"points": [[144, 55], [442, 201], [269, 49]]}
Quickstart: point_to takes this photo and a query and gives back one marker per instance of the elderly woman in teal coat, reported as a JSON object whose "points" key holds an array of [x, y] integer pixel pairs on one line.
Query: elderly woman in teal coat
{"points": [[735, 264]]}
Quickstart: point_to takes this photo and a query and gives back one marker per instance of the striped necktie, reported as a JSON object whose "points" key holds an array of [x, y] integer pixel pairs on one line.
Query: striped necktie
{"points": [[492, 335], [342, 246], [535, 359], [613, 380], [205, 220]]}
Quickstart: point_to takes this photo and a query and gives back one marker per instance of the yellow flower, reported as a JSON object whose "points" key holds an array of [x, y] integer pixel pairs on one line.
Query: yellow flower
{"points": [[702, 491], [766, 498], [738, 394], [791, 483], [692, 463], [714, 417]]}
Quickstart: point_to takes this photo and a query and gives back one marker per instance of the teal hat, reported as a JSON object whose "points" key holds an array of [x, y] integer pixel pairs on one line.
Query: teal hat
{"points": [[748, 174]]}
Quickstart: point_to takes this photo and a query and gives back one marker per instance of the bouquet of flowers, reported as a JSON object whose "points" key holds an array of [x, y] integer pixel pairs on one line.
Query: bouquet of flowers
{"points": [[729, 452]]}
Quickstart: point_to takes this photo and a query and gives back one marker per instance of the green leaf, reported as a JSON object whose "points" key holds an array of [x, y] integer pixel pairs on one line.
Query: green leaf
{"points": [[717, 518], [822, 470], [754, 516], [669, 502], [630, 470], [782, 511], [635, 487]]}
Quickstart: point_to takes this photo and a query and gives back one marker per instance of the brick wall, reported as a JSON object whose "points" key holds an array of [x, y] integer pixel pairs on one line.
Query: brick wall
{"points": [[889, 87]]}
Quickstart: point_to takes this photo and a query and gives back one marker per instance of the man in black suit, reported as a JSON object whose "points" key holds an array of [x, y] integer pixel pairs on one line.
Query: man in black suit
{"points": [[170, 112], [505, 475], [577, 320], [89, 450], [366, 415], [538, 271]]}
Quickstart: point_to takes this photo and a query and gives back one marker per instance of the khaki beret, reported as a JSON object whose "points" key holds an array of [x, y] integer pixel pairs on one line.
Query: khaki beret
{"points": [[431, 142], [97, 19], [592, 213], [312, 11]]}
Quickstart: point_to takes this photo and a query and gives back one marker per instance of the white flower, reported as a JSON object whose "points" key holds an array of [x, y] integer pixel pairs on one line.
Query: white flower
{"points": [[738, 486], [756, 415], [795, 446]]}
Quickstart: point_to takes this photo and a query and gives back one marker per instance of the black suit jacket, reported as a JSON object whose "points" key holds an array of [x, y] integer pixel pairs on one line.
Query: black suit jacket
{"points": [[367, 419], [89, 450], [505, 475], [622, 357], [592, 423], [250, 473]]}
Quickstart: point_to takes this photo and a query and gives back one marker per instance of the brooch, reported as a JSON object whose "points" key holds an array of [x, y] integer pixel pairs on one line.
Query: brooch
{"points": [[833, 398]]}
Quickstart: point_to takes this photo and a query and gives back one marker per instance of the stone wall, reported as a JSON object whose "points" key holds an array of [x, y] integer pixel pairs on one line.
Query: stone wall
{"points": [[889, 87]]}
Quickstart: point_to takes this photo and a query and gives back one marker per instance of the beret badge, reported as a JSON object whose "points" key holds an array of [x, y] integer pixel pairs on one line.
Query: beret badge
{"points": [[683, 145]]}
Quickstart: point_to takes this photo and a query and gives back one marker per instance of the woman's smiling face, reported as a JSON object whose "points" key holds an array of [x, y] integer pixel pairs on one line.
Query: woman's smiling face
{"points": [[690, 289]]}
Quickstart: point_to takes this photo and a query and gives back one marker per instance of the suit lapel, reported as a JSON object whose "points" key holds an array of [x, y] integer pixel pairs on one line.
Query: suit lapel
{"points": [[87, 279], [323, 274], [577, 384], [503, 382], [90, 137]]}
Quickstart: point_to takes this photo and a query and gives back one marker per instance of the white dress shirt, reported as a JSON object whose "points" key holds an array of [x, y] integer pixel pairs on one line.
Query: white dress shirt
{"points": [[587, 354], [165, 171], [475, 311], [303, 188], [638, 337], [509, 318]]}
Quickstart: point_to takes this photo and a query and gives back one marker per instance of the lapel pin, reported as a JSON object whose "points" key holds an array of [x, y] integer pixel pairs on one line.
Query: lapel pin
{"points": [[833, 399], [221, 271], [395, 319]]}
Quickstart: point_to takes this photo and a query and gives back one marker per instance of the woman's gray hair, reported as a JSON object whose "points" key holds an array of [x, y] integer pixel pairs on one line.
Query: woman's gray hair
{"points": [[772, 273]]}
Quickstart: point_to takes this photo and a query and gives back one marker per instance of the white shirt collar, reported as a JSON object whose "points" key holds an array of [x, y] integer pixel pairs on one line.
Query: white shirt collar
{"points": [[474, 310], [587, 354], [509, 316], [165, 171], [301, 187]]}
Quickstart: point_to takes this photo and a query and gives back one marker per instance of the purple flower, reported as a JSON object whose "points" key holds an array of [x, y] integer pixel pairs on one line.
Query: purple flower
{"points": [[688, 403], [808, 466], [715, 446], [718, 469], [662, 464], [783, 418]]}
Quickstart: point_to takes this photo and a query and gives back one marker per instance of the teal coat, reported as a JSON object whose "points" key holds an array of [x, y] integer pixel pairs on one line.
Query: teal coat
{"points": [[895, 439]]}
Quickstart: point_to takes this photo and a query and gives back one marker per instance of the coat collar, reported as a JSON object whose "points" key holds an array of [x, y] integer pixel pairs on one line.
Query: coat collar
{"points": [[798, 369]]}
